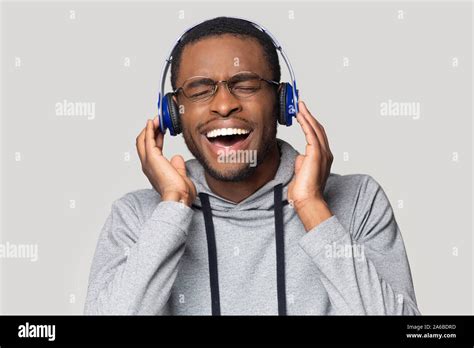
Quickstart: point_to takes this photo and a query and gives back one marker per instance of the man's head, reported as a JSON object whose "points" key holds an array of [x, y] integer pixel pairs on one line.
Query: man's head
{"points": [[219, 49]]}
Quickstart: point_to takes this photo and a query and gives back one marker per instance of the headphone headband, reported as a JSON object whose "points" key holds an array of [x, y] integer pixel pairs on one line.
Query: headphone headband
{"points": [[166, 65]]}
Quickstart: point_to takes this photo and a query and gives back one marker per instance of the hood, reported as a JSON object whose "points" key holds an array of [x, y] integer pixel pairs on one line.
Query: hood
{"points": [[261, 199]]}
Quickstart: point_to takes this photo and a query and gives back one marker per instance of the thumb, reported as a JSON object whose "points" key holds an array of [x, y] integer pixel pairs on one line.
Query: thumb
{"points": [[298, 162], [177, 162]]}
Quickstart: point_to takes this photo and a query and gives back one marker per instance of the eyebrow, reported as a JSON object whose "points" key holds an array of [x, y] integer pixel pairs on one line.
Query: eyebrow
{"points": [[241, 76], [202, 81]]}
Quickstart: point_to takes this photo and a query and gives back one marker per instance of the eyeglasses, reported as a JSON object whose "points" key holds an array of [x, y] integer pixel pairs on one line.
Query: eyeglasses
{"points": [[242, 85]]}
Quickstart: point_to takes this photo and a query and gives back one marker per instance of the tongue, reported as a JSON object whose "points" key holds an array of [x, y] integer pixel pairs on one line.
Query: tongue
{"points": [[229, 140]]}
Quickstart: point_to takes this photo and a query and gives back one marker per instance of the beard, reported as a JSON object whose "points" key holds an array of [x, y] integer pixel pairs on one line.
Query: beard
{"points": [[267, 142]]}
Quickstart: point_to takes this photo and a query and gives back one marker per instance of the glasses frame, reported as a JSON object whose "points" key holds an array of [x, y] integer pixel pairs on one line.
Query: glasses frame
{"points": [[216, 86]]}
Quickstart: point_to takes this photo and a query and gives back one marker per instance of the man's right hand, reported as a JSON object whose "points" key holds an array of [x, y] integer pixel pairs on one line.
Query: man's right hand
{"points": [[168, 178]]}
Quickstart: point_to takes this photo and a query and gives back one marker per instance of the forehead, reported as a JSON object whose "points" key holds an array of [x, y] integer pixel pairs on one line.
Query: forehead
{"points": [[219, 57]]}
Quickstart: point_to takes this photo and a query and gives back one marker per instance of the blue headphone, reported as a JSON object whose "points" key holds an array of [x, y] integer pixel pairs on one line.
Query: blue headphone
{"points": [[168, 113]]}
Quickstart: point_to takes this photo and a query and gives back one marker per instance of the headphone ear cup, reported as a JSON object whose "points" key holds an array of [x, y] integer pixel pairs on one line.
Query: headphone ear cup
{"points": [[287, 107], [173, 112], [282, 104]]}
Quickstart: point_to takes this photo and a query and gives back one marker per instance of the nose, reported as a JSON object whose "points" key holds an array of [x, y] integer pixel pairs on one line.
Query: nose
{"points": [[223, 102]]}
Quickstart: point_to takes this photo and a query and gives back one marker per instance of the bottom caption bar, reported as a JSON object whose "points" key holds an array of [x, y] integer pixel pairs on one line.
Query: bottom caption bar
{"points": [[16, 331]]}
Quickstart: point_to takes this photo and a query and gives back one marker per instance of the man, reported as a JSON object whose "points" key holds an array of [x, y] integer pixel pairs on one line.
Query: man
{"points": [[218, 237]]}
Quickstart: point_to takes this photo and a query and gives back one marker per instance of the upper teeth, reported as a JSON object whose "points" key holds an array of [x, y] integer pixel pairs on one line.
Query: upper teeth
{"points": [[226, 131]]}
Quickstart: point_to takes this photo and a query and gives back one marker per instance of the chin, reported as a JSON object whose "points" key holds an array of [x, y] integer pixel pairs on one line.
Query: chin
{"points": [[230, 172]]}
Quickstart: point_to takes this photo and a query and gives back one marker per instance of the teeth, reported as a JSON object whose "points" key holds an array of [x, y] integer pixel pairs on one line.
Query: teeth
{"points": [[226, 131]]}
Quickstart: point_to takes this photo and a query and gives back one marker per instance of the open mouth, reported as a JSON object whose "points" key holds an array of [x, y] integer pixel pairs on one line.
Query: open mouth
{"points": [[227, 137]]}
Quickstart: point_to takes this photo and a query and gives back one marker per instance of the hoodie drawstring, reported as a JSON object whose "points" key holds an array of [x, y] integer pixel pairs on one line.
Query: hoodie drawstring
{"points": [[212, 254], [280, 251]]}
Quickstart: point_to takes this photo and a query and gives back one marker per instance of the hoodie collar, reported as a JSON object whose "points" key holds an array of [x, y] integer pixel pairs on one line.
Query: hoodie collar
{"points": [[260, 199]]}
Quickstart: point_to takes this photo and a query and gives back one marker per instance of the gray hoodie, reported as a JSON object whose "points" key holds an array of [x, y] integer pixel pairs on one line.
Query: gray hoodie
{"points": [[252, 258]]}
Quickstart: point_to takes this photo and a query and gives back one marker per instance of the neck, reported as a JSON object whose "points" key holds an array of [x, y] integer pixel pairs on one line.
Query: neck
{"points": [[238, 191]]}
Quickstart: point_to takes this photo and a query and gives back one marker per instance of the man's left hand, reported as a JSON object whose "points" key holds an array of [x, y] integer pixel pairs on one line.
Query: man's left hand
{"points": [[312, 169]]}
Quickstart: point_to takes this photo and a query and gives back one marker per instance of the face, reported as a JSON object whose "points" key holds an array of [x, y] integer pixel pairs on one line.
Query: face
{"points": [[228, 155]]}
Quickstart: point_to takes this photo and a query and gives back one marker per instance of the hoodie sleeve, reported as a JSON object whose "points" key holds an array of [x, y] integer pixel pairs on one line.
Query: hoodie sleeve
{"points": [[366, 271], [135, 264]]}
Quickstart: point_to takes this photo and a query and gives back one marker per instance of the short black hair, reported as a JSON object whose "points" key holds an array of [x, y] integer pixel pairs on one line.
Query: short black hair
{"points": [[226, 25]]}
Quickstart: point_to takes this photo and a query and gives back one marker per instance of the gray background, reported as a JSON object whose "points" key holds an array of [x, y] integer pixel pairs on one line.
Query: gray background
{"points": [[67, 158]]}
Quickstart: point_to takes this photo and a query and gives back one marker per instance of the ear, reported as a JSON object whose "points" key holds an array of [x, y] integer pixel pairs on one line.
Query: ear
{"points": [[280, 86], [175, 99]]}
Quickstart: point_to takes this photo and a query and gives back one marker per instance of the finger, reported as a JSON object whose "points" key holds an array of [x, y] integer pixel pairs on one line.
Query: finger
{"points": [[318, 128], [313, 122], [324, 134], [159, 136], [315, 125], [310, 134], [177, 162], [312, 140], [141, 146], [326, 141], [150, 143]]}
